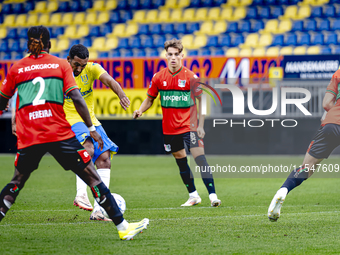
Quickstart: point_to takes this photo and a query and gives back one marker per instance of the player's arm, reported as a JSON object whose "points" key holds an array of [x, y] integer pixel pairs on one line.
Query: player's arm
{"points": [[108, 81], [147, 103], [201, 118], [81, 108], [328, 101]]}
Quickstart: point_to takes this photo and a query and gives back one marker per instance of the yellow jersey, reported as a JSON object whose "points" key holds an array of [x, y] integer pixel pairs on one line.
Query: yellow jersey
{"points": [[84, 80]]}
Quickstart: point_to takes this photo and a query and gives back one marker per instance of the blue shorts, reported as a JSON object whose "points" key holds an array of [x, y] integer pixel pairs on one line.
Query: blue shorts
{"points": [[82, 133]]}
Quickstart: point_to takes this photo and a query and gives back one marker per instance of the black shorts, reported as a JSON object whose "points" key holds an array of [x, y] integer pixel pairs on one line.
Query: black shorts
{"points": [[174, 143], [325, 141], [70, 154]]}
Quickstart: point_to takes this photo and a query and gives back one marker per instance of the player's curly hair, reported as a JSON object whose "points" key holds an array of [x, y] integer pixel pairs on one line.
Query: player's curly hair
{"points": [[174, 43], [80, 51], [38, 38]]}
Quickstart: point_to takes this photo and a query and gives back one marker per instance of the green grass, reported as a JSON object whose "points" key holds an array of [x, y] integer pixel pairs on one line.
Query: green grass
{"points": [[44, 221]]}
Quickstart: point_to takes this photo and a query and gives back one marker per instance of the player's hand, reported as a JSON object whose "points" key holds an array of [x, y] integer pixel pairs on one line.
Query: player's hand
{"points": [[14, 128], [137, 114], [98, 139], [200, 132], [124, 102]]}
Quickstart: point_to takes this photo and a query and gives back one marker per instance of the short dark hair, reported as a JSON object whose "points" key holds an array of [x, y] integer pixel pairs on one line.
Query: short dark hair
{"points": [[174, 43], [38, 38], [79, 50]]}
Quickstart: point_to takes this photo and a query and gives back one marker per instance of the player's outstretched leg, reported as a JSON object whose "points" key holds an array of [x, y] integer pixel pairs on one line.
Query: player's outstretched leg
{"points": [[188, 181], [126, 230], [295, 178], [81, 200], [97, 213], [7, 198], [208, 180]]}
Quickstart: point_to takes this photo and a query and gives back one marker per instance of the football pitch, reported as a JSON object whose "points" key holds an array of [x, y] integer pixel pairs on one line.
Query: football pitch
{"points": [[44, 221]]}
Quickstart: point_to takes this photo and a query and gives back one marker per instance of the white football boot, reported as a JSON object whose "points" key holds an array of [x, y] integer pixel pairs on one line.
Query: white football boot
{"points": [[276, 204], [192, 201]]}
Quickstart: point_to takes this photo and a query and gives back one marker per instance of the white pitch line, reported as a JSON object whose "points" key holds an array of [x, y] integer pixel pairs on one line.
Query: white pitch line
{"points": [[170, 219]]}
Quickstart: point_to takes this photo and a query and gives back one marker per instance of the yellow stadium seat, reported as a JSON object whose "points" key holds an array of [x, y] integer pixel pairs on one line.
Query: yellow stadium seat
{"points": [[79, 18], [199, 41], [290, 12], [103, 17], [313, 2], [183, 3], [53, 45], [151, 16], [188, 15], [21, 20], [40, 7], [313, 50], [111, 43], [206, 28], [286, 50], [231, 3], [52, 6], [9, 20], [118, 30], [69, 32], [56, 19], [62, 44], [3, 32], [32, 20], [131, 29], [82, 31], [271, 26], [176, 15], [259, 52], [110, 5], [214, 13], [67, 19], [246, 52], [219, 28], [91, 18], [300, 50], [273, 52], [187, 41], [232, 52], [44, 18], [139, 16], [169, 4], [98, 5], [93, 55], [284, 26], [265, 40], [245, 2], [164, 16], [226, 13], [304, 12], [239, 13], [201, 14], [251, 41], [98, 43]]}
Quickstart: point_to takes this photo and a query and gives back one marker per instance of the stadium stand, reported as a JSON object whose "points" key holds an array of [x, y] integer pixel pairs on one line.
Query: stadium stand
{"points": [[117, 28]]}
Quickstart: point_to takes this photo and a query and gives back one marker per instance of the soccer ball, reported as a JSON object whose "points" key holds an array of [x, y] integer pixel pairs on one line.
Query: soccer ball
{"points": [[120, 202]]}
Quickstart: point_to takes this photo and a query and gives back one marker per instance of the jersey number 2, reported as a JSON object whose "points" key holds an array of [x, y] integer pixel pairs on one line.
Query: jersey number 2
{"points": [[37, 100]]}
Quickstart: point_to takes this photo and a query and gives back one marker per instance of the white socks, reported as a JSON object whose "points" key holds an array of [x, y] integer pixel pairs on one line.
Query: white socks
{"points": [[104, 174], [194, 194], [81, 187], [212, 196], [122, 226]]}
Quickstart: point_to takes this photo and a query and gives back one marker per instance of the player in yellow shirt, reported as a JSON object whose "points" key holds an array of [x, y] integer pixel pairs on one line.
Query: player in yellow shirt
{"points": [[85, 74]]}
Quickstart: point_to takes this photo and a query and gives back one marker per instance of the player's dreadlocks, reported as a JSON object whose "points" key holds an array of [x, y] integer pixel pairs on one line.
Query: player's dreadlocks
{"points": [[80, 51], [174, 43], [38, 38]]}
